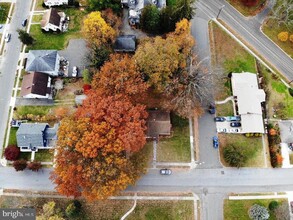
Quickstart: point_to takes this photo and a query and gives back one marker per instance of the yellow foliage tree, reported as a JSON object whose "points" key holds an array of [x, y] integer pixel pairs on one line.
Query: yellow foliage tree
{"points": [[97, 31], [283, 36]]}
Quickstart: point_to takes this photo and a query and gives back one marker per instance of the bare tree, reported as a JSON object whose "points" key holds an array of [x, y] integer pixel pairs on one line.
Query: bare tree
{"points": [[283, 13], [191, 89]]}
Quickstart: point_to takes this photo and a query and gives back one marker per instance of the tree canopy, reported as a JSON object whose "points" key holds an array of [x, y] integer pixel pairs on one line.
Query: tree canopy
{"points": [[97, 31], [119, 75], [96, 146]]}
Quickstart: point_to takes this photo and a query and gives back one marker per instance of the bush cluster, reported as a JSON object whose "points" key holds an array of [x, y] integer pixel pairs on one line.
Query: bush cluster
{"points": [[275, 151]]}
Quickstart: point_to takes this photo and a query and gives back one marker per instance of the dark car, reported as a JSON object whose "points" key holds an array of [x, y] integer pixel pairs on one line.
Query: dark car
{"points": [[23, 23], [212, 109], [235, 124], [215, 142], [219, 119], [165, 171]]}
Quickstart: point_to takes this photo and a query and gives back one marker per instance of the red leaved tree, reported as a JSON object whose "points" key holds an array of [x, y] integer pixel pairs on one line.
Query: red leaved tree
{"points": [[11, 152], [34, 166], [20, 165]]}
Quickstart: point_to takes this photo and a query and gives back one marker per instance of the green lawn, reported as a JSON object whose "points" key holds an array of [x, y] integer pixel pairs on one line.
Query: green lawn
{"points": [[44, 156], [34, 110], [58, 41], [278, 96], [163, 210], [225, 109], [251, 146], [238, 209], [177, 147], [25, 155], [12, 136], [231, 56], [4, 9], [291, 158], [37, 18], [246, 11]]}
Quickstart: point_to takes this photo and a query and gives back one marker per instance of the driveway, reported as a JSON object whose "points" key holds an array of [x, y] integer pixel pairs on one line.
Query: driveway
{"points": [[76, 53]]}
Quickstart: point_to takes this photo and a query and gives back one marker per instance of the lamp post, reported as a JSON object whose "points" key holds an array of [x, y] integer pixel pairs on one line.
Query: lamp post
{"points": [[220, 9]]}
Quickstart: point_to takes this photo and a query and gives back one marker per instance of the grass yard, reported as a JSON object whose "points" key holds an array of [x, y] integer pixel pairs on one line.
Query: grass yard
{"points": [[278, 97], [271, 28], [177, 147], [238, 209], [162, 210], [44, 156], [4, 10], [12, 136], [247, 11], [25, 155], [225, 109], [230, 56], [37, 18], [171, 2], [34, 110], [68, 91], [58, 41], [111, 209], [251, 146], [39, 5]]}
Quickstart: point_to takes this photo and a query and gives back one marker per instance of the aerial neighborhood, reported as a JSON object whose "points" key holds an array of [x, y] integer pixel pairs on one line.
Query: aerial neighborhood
{"points": [[146, 109]]}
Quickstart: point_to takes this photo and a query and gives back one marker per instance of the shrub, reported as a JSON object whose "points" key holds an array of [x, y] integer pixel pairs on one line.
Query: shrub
{"points": [[73, 209], [12, 152], [290, 91], [86, 88], [250, 3], [283, 36], [291, 38], [34, 166], [20, 165], [258, 212], [273, 205], [87, 76], [234, 156]]}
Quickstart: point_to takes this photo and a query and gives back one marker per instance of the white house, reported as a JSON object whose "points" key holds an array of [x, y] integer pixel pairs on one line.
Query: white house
{"points": [[36, 85], [248, 99], [54, 20], [50, 3]]}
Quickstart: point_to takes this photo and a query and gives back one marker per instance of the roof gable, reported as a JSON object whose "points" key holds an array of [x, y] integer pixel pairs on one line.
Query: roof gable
{"points": [[34, 83], [125, 43]]}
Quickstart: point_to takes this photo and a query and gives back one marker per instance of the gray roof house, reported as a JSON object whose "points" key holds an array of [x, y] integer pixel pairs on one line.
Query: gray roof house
{"points": [[33, 136], [125, 43], [43, 61]]}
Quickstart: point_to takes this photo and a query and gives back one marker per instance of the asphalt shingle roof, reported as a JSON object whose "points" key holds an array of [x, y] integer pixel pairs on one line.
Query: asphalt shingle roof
{"points": [[41, 60], [125, 43]]}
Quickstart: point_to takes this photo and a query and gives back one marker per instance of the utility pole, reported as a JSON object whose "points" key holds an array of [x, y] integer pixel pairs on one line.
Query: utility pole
{"points": [[220, 9]]}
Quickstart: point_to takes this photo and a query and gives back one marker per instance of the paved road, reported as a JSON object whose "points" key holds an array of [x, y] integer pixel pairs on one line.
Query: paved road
{"points": [[249, 30], [9, 63]]}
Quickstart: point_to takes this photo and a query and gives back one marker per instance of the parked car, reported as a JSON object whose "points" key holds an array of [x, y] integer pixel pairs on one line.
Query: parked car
{"points": [[165, 171], [7, 37], [1, 26], [212, 109], [233, 118], [235, 124], [75, 71], [222, 130], [215, 142], [23, 23], [220, 119]]}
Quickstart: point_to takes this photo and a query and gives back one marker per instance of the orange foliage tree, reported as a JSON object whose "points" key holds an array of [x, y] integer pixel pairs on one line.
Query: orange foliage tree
{"points": [[96, 147], [120, 76]]}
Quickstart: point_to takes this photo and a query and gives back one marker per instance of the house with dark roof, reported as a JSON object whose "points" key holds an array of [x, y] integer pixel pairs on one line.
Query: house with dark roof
{"points": [[50, 3], [54, 21], [43, 61], [125, 43], [158, 124], [136, 7], [36, 85], [34, 136]]}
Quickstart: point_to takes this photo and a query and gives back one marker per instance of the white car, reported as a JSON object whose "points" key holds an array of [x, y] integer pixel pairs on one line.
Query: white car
{"points": [[74, 71], [7, 37]]}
